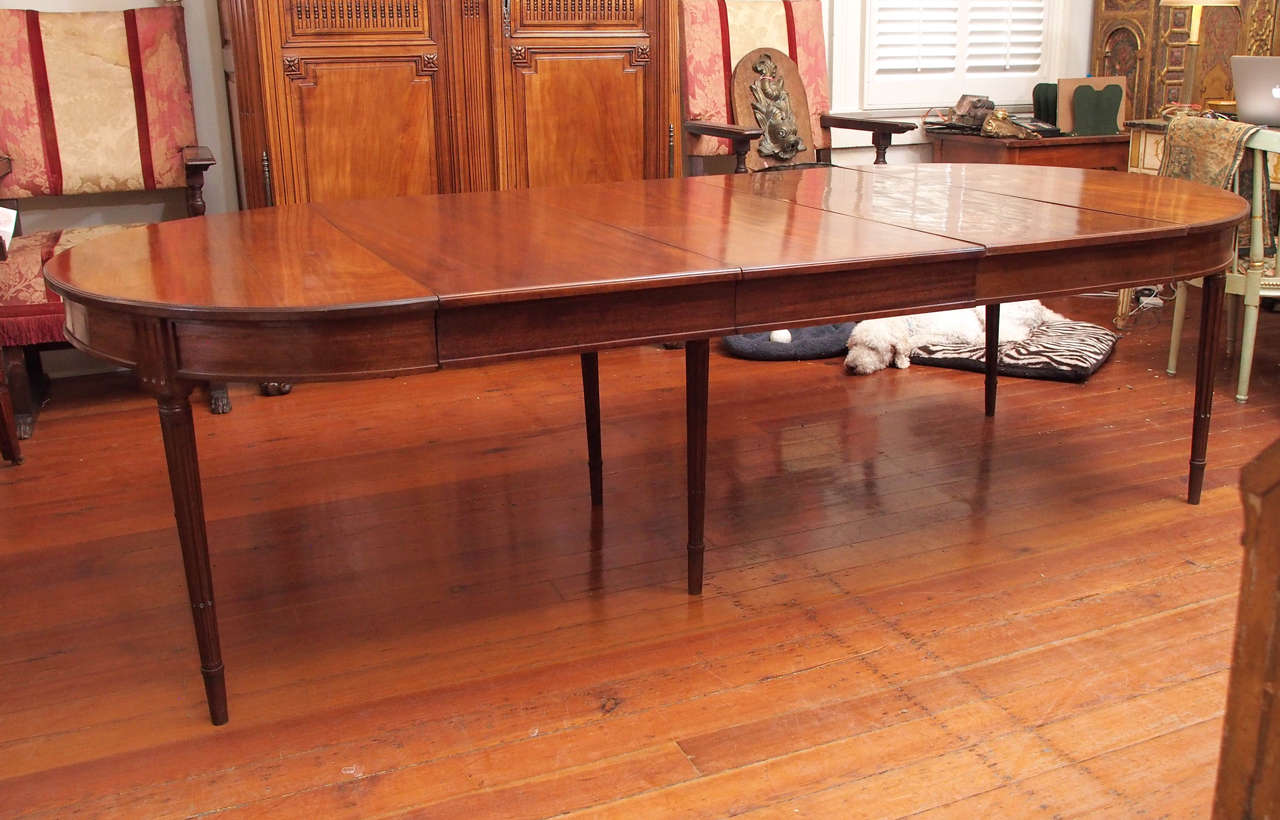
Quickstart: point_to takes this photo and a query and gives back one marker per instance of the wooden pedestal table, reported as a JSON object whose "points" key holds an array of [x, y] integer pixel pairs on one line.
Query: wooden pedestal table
{"points": [[396, 286]]}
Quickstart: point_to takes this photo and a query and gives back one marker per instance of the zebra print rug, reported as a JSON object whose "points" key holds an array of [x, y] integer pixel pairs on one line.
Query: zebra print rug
{"points": [[1061, 351]]}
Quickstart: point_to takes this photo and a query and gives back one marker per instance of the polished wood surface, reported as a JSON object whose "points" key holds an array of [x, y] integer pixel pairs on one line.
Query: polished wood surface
{"points": [[596, 267], [1105, 153], [1249, 767], [268, 262], [633, 236], [953, 203], [908, 607]]}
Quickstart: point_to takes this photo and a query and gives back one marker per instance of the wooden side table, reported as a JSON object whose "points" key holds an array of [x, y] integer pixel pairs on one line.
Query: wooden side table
{"points": [[1109, 152]]}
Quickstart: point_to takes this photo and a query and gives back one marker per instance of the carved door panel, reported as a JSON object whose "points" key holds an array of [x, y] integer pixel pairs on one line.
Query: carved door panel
{"points": [[362, 128], [366, 98], [358, 94], [583, 99]]}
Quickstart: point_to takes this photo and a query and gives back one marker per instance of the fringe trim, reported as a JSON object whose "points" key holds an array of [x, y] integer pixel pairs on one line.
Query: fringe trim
{"points": [[16, 331]]}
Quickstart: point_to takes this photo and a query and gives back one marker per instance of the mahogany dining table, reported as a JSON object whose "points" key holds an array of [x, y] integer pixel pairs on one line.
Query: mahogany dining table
{"points": [[346, 290]]}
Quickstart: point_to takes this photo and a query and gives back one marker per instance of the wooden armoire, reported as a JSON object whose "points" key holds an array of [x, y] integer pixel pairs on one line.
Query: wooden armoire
{"points": [[339, 99]]}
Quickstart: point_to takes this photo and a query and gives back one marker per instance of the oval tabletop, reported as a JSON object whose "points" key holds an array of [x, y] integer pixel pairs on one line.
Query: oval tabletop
{"points": [[468, 249]]}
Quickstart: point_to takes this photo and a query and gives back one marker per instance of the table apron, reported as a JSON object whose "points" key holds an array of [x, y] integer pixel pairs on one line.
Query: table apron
{"points": [[833, 297], [1027, 276], [299, 350], [339, 347], [505, 330]]}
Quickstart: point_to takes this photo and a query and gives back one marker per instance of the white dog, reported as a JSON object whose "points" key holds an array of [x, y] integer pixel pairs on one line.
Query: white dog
{"points": [[877, 343]]}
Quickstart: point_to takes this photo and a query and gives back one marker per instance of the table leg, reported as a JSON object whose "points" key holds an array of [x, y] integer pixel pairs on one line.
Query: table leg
{"points": [[591, 401], [696, 372], [1206, 357], [10, 449], [1248, 337], [1124, 300], [993, 355], [1175, 333], [188, 509]]}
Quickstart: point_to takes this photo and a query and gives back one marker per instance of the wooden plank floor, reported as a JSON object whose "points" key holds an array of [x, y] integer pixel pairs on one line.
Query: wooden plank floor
{"points": [[909, 609]]}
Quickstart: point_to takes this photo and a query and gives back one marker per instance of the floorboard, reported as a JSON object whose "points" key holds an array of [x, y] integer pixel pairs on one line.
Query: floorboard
{"points": [[910, 609]]}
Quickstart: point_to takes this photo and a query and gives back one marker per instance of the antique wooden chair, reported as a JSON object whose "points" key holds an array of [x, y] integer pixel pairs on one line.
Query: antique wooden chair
{"points": [[96, 102], [719, 117]]}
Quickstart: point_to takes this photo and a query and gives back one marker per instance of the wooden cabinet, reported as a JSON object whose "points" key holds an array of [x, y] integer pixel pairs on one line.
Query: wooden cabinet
{"points": [[338, 99], [1107, 152]]}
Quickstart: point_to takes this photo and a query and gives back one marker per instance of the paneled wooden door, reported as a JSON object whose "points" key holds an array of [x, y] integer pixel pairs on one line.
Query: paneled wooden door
{"points": [[339, 99], [359, 95], [587, 91]]}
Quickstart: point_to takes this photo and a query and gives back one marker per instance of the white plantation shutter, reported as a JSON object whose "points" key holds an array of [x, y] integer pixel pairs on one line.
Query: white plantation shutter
{"points": [[923, 53], [915, 36], [1005, 35]]}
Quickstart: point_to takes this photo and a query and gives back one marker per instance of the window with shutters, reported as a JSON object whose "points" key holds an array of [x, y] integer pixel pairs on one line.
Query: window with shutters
{"points": [[923, 53]]}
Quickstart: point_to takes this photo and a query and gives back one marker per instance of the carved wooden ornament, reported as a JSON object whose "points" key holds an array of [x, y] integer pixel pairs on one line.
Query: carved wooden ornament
{"points": [[768, 93]]}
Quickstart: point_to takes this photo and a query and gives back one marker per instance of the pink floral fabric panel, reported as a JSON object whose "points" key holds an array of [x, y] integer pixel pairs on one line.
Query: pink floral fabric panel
{"points": [[95, 121], [21, 138], [94, 101], [704, 78], [21, 279], [811, 60], [74, 236], [170, 113]]}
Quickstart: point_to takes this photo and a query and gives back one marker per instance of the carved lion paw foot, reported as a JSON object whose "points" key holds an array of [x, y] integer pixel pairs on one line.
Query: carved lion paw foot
{"points": [[219, 401], [275, 388]]}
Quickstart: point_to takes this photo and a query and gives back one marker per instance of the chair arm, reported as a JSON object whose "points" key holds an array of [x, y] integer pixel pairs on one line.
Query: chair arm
{"points": [[723, 130], [198, 156], [860, 124], [197, 159], [882, 131], [736, 134]]}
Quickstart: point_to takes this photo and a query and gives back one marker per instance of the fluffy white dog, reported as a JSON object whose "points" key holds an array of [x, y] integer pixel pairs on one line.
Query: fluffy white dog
{"points": [[877, 343]]}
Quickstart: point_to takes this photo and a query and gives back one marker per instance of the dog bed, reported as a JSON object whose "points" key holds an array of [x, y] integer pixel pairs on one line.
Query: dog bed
{"points": [[1060, 351], [818, 342], [1034, 342]]}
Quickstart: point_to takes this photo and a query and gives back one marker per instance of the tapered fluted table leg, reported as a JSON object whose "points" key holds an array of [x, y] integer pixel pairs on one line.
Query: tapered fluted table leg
{"points": [[591, 401], [1206, 358], [188, 509], [696, 371], [10, 449], [993, 355]]}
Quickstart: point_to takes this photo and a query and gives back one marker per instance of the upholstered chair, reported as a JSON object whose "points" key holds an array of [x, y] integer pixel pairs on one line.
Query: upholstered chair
{"points": [[1211, 151], [90, 103]]}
